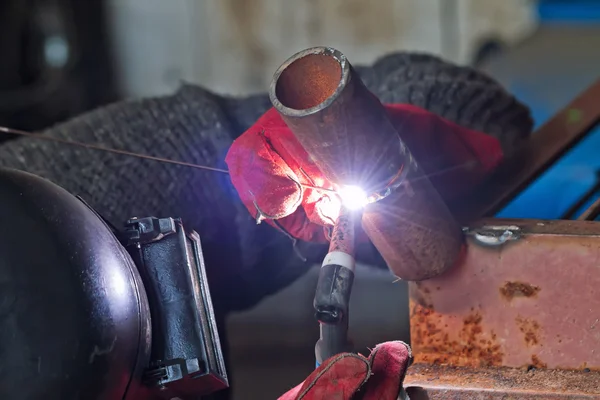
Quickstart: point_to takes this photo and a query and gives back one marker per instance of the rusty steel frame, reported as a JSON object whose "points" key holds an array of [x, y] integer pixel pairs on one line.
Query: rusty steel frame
{"points": [[592, 212], [426, 382], [546, 145], [517, 316]]}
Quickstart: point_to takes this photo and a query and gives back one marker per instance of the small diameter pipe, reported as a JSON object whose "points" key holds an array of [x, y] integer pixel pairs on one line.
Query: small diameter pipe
{"points": [[347, 133], [332, 296]]}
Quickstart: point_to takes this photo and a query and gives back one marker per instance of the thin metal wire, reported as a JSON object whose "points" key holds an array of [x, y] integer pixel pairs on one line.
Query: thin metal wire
{"points": [[108, 149], [19, 132]]}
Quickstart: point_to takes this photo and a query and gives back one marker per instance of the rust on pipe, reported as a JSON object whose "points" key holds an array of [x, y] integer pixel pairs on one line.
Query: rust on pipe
{"points": [[347, 133], [336, 119]]}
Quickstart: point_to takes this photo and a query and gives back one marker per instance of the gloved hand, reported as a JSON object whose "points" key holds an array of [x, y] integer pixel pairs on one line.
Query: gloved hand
{"points": [[273, 174], [198, 126], [346, 375]]}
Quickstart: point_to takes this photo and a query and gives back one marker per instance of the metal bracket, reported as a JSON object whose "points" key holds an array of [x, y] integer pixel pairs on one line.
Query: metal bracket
{"points": [[493, 236], [147, 230]]}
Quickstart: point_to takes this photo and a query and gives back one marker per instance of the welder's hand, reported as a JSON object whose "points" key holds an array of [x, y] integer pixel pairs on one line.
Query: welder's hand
{"points": [[378, 377], [273, 174]]}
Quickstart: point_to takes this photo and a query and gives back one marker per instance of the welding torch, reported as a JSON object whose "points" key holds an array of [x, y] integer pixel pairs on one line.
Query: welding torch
{"points": [[348, 135], [332, 296]]}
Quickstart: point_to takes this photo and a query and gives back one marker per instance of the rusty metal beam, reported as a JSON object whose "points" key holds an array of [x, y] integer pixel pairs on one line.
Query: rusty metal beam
{"points": [[591, 213], [525, 297], [584, 199], [526, 294], [448, 383], [546, 146]]}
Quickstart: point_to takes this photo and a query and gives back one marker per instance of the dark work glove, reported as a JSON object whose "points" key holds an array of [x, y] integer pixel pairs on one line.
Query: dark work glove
{"points": [[245, 261], [266, 173]]}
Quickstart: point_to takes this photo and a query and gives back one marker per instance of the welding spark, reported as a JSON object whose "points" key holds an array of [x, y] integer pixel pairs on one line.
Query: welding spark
{"points": [[353, 197]]}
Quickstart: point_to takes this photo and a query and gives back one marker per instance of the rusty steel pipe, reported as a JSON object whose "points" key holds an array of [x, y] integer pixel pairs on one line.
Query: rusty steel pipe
{"points": [[347, 133]]}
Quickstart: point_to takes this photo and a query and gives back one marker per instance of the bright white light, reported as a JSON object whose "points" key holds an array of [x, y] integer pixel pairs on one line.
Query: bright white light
{"points": [[353, 197]]}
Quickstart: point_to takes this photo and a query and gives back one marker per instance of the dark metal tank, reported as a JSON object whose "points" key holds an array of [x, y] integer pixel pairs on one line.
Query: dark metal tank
{"points": [[74, 319]]}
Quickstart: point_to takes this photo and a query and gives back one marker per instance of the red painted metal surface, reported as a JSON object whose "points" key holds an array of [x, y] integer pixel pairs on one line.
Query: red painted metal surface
{"points": [[526, 296]]}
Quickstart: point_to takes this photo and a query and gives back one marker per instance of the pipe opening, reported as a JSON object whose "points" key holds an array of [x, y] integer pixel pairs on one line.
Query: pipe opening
{"points": [[308, 81]]}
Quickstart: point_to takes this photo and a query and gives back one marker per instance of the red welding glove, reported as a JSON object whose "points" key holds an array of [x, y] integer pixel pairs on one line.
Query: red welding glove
{"points": [[271, 171], [347, 375]]}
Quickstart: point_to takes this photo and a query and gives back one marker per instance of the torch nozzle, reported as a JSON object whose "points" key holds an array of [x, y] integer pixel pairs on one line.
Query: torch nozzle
{"points": [[332, 296]]}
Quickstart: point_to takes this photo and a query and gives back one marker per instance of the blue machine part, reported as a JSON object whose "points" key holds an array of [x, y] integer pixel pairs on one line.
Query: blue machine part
{"points": [[574, 11], [551, 195]]}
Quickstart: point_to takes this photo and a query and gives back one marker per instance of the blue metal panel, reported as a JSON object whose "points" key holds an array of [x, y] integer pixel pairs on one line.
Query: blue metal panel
{"points": [[569, 10], [572, 70], [553, 193]]}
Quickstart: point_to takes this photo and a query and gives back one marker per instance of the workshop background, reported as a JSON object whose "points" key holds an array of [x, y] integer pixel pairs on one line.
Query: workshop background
{"points": [[63, 57]]}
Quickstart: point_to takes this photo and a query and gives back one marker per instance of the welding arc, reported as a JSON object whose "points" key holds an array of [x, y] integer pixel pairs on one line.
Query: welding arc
{"points": [[321, 98], [18, 132], [107, 149]]}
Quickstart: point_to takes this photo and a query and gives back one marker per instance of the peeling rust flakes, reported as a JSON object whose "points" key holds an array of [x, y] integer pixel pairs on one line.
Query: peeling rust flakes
{"points": [[433, 345], [584, 368], [530, 329], [537, 363], [422, 295], [511, 290]]}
